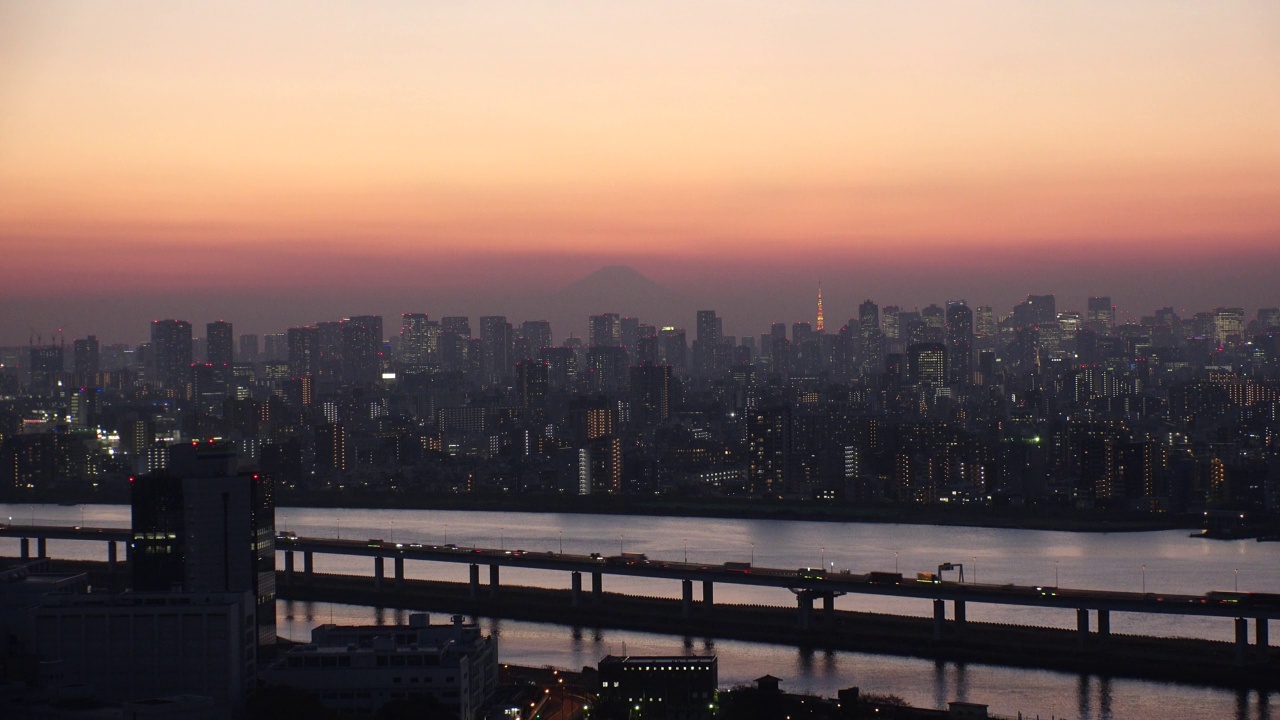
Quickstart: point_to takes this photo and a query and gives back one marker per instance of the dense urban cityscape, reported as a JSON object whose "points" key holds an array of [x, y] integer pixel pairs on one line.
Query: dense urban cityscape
{"points": [[947, 404]]}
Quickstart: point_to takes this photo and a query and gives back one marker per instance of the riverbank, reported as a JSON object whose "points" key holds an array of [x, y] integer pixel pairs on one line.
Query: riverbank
{"points": [[1066, 519]]}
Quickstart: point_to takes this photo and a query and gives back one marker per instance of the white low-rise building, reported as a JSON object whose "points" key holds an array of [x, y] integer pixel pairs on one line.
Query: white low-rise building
{"points": [[361, 668]]}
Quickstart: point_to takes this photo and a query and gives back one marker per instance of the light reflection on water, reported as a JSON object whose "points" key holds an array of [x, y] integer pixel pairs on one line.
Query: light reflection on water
{"points": [[1160, 562]]}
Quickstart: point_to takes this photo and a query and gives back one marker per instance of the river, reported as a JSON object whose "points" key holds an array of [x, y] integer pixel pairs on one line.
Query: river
{"points": [[1157, 562]]}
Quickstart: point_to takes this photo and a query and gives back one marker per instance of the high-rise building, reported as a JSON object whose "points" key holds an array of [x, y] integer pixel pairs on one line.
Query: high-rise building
{"points": [[868, 318], [959, 343], [769, 449], [249, 348], [362, 348], [200, 526], [1035, 310], [984, 322], [275, 346], [890, 326], [651, 393], [629, 333], [459, 324], [495, 333], [532, 380], [1101, 311], [538, 333], [171, 348], [218, 345], [1228, 324], [604, 330], [927, 363], [86, 358], [710, 328], [418, 340], [302, 351]]}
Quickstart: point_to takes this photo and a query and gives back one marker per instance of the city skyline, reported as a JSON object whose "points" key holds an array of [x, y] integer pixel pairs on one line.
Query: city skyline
{"points": [[252, 161]]}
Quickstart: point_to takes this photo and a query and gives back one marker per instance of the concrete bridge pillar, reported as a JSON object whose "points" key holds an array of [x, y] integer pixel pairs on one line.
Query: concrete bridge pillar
{"points": [[25, 544], [1242, 640], [1082, 625], [1260, 635], [939, 618], [377, 572], [576, 585], [804, 600], [957, 611], [288, 564], [708, 596], [1104, 626], [42, 548], [493, 580], [475, 580], [829, 608], [308, 564], [399, 565], [686, 603], [112, 554], [597, 588]]}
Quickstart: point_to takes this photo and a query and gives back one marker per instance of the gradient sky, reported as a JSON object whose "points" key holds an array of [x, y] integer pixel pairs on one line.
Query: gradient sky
{"points": [[454, 154]]}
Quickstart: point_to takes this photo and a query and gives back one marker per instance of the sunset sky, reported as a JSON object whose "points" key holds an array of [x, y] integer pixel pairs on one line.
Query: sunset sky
{"points": [[277, 163]]}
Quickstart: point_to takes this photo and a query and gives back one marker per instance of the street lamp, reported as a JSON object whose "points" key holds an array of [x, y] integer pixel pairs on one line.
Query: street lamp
{"points": [[895, 562], [620, 539], [823, 558], [561, 542], [753, 554], [1144, 579], [1055, 573], [1237, 579], [686, 549]]}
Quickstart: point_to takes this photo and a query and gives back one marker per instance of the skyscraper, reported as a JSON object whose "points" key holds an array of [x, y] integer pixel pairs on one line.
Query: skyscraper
{"points": [[202, 527], [538, 333], [959, 343], [927, 363], [362, 348], [418, 336], [218, 347], [1101, 312], [495, 334], [86, 358], [604, 330], [171, 346], [249, 348], [821, 320], [302, 351]]}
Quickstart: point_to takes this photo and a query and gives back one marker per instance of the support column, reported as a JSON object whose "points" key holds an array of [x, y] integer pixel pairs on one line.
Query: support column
{"points": [[42, 548], [805, 602], [112, 554], [1242, 640], [829, 608], [399, 564], [576, 585], [708, 597], [1260, 635], [939, 618], [493, 580], [1104, 626], [26, 548], [1082, 625], [597, 588], [686, 599], [958, 613], [308, 563], [475, 580], [288, 563], [377, 573]]}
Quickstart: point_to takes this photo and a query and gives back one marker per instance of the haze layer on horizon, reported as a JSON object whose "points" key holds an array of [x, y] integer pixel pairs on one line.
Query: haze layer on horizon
{"points": [[283, 163]]}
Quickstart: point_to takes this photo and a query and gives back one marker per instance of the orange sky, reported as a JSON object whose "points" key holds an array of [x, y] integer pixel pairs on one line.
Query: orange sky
{"points": [[132, 133]]}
